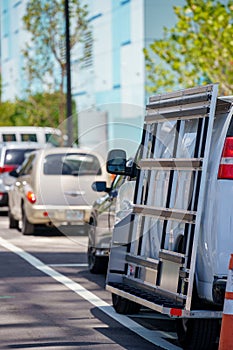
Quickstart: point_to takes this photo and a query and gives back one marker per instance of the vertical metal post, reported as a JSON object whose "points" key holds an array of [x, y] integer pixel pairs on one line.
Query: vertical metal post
{"points": [[68, 78]]}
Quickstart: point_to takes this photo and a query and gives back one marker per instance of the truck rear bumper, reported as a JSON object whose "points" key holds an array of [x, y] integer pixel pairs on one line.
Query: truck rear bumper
{"points": [[158, 306]]}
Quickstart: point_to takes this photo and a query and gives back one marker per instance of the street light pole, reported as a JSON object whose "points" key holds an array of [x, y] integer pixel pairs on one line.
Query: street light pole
{"points": [[68, 78]]}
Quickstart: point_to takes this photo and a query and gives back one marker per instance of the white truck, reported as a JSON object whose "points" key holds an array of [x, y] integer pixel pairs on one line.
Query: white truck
{"points": [[171, 253]]}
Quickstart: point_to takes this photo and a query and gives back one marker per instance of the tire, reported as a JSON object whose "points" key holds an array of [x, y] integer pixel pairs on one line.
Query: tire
{"points": [[198, 334], [96, 264], [27, 227], [13, 223], [85, 229], [124, 306]]}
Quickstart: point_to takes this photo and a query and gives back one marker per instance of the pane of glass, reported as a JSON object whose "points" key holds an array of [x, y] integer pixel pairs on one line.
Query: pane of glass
{"points": [[72, 164], [54, 139], [16, 156], [29, 137], [8, 137]]}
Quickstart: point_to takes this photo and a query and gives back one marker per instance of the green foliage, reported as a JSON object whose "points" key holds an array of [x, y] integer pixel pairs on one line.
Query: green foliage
{"points": [[7, 113], [197, 50], [44, 110], [0, 87], [41, 109], [38, 110]]}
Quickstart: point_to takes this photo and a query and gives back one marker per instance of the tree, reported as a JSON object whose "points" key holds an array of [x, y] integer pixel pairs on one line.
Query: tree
{"points": [[45, 55], [197, 50], [0, 87], [7, 113], [38, 110], [42, 109]]}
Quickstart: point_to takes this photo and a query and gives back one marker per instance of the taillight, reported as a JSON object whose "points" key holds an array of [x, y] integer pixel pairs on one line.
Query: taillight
{"points": [[7, 168], [225, 170], [31, 197]]}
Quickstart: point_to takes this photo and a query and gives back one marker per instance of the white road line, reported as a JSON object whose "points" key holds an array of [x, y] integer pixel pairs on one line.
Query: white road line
{"points": [[68, 265], [151, 336]]}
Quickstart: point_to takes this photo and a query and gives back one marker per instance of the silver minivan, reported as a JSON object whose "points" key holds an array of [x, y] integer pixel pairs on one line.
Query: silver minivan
{"points": [[53, 187]]}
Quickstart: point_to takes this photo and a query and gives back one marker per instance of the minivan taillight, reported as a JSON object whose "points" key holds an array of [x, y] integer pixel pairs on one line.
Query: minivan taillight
{"points": [[7, 168], [31, 197], [225, 170]]}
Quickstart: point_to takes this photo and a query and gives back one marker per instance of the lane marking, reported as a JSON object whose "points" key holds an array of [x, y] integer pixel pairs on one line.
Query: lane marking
{"points": [[68, 265], [149, 335]]}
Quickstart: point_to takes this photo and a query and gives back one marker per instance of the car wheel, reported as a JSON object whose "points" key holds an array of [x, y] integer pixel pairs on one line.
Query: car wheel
{"points": [[197, 333], [13, 223], [96, 264], [27, 227], [124, 306]]}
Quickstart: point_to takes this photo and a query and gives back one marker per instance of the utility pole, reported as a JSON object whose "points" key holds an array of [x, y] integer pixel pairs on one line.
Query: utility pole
{"points": [[68, 78]]}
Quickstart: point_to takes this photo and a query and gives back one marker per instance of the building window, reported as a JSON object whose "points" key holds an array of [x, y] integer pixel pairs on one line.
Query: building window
{"points": [[124, 2], [88, 50]]}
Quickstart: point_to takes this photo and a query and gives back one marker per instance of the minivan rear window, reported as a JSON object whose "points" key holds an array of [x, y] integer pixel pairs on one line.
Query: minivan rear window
{"points": [[72, 164]]}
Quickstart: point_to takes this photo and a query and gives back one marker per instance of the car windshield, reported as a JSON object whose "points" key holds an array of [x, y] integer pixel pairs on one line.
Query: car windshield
{"points": [[71, 164], [16, 156]]}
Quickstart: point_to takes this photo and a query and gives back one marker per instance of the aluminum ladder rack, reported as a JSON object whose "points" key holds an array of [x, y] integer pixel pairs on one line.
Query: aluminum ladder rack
{"points": [[153, 253]]}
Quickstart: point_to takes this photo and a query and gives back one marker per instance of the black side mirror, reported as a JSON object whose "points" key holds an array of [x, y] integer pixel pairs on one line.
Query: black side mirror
{"points": [[100, 186], [116, 162], [14, 173]]}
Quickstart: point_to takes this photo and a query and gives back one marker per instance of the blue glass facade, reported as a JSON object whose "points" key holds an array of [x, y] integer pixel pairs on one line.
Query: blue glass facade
{"points": [[120, 35]]}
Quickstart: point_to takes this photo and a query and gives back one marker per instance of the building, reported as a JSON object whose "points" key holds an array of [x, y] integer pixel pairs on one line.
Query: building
{"points": [[114, 79], [13, 39], [109, 87]]}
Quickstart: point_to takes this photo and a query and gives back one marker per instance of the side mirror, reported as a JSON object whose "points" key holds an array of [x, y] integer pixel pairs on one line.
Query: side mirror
{"points": [[14, 173], [100, 186], [116, 162]]}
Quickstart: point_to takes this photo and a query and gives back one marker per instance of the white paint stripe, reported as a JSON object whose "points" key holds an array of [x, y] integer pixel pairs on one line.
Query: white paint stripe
{"points": [[228, 307], [229, 285], [151, 336], [68, 265]]}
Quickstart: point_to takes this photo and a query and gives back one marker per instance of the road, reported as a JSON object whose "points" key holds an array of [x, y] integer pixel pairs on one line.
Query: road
{"points": [[49, 299]]}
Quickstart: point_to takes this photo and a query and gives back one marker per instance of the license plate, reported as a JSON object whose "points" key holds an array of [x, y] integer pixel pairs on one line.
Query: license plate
{"points": [[74, 215]]}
